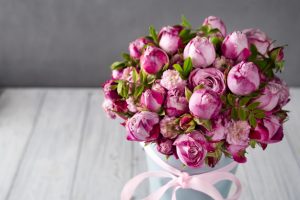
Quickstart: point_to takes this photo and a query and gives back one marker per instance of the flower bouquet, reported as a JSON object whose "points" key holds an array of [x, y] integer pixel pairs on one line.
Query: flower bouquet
{"points": [[200, 97]]}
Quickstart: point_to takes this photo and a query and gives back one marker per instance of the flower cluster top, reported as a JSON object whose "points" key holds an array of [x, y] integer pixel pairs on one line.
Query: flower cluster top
{"points": [[200, 93]]}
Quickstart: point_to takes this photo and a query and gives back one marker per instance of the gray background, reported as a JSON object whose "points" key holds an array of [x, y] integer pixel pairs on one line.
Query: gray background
{"points": [[73, 42]]}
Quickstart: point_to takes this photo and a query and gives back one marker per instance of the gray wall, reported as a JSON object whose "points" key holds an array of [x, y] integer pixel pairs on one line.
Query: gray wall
{"points": [[73, 42]]}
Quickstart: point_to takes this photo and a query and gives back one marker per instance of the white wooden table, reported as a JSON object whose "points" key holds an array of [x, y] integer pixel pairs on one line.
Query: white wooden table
{"points": [[57, 144]]}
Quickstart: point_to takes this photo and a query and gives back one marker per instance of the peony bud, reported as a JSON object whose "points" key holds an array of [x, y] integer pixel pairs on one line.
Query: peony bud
{"points": [[243, 78], [210, 78], [143, 126], [215, 22], [259, 39], [171, 80], [136, 47], [110, 93], [153, 60], [169, 127], [152, 100], [176, 103], [169, 39], [205, 104], [277, 54], [235, 46], [187, 123], [191, 149], [201, 51], [165, 146]]}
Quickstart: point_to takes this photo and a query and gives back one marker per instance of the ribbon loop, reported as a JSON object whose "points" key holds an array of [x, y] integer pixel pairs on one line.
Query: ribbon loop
{"points": [[183, 180]]}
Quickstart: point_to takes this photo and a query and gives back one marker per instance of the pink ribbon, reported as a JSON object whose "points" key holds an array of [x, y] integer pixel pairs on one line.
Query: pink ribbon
{"points": [[201, 182]]}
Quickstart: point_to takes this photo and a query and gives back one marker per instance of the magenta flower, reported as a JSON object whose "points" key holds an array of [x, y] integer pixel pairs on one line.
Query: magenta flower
{"points": [[136, 47], [238, 133], [152, 100], [171, 80], [109, 93], [235, 46], [176, 103], [165, 146], [111, 107], [143, 126], [201, 51], [243, 78], [238, 153], [153, 60], [205, 104], [131, 105], [259, 39], [191, 149], [169, 127], [210, 78], [284, 93], [219, 129], [169, 39], [215, 22], [117, 74]]}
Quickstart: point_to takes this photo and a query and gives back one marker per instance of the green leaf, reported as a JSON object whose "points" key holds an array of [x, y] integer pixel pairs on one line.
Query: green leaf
{"points": [[252, 120], [120, 87], [253, 105], [252, 143], [153, 34], [143, 77], [216, 41], [244, 100], [205, 29], [254, 53], [198, 87], [260, 115], [134, 75], [204, 122], [138, 91], [188, 93], [234, 113], [126, 56], [185, 22], [118, 65], [187, 67], [242, 114], [166, 66], [178, 68], [184, 33], [231, 99]]}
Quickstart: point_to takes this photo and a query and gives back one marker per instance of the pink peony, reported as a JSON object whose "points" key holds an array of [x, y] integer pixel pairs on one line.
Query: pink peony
{"points": [[136, 47], [235, 46], [153, 60], [131, 105], [219, 129], [284, 93], [205, 104], [201, 51], [215, 22], [143, 126], [117, 74], [269, 97], [238, 153], [210, 78], [110, 107], [172, 80], [165, 146], [169, 127], [238, 133], [191, 149], [259, 39], [127, 74], [169, 39], [152, 100], [243, 78], [109, 93], [176, 103]]}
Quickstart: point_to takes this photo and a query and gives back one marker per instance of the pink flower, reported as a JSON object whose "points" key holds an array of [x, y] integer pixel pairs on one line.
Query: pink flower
{"points": [[169, 127], [165, 146], [235, 46], [243, 78], [107, 106], [176, 103], [210, 78], [191, 149], [269, 97], [268, 130], [153, 60], [215, 22], [171, 79], [259, 39], [219, 129], [117, 74], [135, 47], [201, 51], [131, 105], [205, 104], [109, 93], [143, 126], [127, 74], [152, 100], [169, 39], [186, 122], [284, 93], [110, 107], [238, 153], [238, 133]]}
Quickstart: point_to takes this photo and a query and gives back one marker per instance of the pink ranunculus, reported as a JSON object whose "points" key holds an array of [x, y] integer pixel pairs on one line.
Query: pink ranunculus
{"points": [[219, 129], [136, 47], [210, 78], [143, 126], [269, 97], [176, 103], [171, 80], [117, 74], [205, 104], [165, 146], [110, 93], [235, 46], [237, 152], [259, 39], [153, 60], [191, 149], [152, 100], [169, 39], [201, 51], [169, 127], [215, 22], [243, 78], [238, 133], [268, 130]]}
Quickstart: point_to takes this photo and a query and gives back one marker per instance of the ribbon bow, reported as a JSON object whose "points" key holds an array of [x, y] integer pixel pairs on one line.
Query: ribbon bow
{"points": [[201, 182]]}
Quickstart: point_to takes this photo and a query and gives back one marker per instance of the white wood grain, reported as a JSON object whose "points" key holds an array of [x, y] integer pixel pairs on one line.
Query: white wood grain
{"points": [[18, 112], [46, 172], [105, 162]]}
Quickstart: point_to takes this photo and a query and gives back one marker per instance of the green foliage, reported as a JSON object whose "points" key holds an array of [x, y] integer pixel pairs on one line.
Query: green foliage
{"points": [[153, 34], [188, 93], [185, 70], [185, 23]]}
